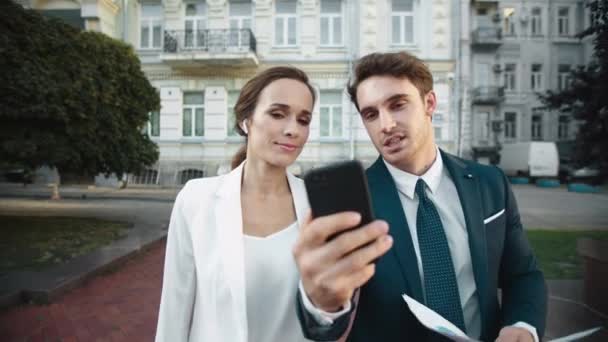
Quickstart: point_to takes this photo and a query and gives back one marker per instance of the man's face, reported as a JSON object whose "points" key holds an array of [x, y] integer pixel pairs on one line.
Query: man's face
{"points": [[397, 118]]}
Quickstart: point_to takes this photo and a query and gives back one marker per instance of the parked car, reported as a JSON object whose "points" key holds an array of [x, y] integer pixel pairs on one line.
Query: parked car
{"points": [[571, 174]]}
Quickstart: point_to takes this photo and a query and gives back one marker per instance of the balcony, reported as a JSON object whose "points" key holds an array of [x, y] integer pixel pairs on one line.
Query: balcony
{"points": [[487, 37], [187, 48], [488, 95]]}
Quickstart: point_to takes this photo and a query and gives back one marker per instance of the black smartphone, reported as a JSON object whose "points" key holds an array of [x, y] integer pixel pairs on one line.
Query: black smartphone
{"points": [[339, 187]]}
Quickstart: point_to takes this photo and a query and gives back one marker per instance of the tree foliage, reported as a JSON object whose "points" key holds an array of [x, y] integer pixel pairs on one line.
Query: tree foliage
{"points": [[587, 96], [70, 99]]}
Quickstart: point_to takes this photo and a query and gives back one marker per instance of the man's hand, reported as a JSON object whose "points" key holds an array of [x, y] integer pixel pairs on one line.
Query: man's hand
{"points": [[332, 270], [514, 334]]}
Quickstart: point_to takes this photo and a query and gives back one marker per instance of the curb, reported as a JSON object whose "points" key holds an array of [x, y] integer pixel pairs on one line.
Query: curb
{"points": [[89, 197], [583, 188], [547, 183], [46, 286]]}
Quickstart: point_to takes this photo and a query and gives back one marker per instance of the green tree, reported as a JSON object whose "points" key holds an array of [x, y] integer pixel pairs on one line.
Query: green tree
{"points": [[587, 96], [73, 100]]}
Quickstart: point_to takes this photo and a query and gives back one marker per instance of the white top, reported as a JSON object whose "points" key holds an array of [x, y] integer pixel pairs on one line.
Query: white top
{"points": [[271, 278], [446, 200], [204, 295]]}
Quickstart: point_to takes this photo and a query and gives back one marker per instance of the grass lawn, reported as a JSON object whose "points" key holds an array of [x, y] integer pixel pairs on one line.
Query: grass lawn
{"points": [[556, 251], [33, 243]]}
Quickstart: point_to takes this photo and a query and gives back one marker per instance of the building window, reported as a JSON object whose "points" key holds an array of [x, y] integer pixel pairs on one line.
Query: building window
{"points": [[331, 23], [285, 23], [510, 125], [536, 22], [536, 80], [563, 21], [509, 21], [240, 13], [154, 124], [151, 26], [483, 126], [193, 119], [186, 175], [563, 127], [402, 22], [145, 177], [509, 75], [563, 76], [331, 114], [537, 126], [195, 23], [233, 95]]}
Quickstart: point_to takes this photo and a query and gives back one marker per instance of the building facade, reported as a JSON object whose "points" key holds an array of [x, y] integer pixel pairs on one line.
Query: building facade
{"points": [[518, 49], [198, 54]]}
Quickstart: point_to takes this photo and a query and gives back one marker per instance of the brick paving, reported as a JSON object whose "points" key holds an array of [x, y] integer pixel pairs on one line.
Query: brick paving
{"points": [[117, 306]]}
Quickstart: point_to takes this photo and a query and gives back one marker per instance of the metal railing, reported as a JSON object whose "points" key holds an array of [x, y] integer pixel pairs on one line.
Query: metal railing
{"points": [[209, 40], [488, 94], [487, 35]]}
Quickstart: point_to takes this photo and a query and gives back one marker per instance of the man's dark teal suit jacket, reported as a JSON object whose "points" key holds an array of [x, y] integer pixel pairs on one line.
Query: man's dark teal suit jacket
{"points": [[500, 252]]}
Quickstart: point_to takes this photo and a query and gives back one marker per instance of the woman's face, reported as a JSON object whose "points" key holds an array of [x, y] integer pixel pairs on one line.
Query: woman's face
{"points": [[280, 124]]}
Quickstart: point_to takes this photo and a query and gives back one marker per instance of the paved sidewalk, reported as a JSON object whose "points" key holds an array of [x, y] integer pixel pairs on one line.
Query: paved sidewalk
{"points": [[123, 306], [119, 306]]}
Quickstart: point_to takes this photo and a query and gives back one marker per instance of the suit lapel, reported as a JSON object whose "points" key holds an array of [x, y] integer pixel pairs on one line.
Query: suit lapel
{"points": [[229, 224], [387, 206], [300, 198], [467, 185]]}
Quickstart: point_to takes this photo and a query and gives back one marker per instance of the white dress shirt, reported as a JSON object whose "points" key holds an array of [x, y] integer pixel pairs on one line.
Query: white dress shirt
{"points": [[446, 200]]}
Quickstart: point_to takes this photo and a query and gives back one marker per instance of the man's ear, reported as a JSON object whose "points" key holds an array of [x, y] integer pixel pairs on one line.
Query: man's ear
{"points": [[430, 103]]}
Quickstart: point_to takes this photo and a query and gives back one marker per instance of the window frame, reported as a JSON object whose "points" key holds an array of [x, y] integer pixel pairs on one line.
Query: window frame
{"points": [[510, 87], [513, 131], [331, 16], [538, 19], [561, 19], [193, 120], [331, 110], [402, 15], [536, 78], [285, 18], [149, 23]]}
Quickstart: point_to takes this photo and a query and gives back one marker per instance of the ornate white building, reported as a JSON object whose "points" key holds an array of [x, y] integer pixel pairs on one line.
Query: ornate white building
{"points": [[199, 54], [512, 50]]}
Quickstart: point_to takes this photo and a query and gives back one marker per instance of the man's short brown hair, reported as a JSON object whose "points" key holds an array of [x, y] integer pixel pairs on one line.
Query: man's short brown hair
{"points": [[395, 64]]}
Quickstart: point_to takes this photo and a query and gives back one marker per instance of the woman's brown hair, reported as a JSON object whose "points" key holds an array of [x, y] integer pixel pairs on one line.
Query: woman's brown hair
{"points": [[250, 93]]}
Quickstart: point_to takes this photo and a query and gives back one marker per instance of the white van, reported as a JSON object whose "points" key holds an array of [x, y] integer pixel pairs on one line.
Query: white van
{"points": [[531, 159]]}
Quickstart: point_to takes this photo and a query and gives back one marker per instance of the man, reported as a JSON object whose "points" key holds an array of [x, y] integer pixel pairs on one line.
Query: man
{"points": [[455, 232]]}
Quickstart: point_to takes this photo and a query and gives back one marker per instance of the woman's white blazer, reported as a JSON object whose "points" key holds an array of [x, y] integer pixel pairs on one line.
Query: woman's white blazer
{"points": [[203, 296]]}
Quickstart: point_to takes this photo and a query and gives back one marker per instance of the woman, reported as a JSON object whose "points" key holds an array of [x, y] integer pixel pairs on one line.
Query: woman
{"points": [[229, 272]]}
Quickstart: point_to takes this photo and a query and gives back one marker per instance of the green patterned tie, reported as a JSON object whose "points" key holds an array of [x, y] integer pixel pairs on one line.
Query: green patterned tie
{"points": [[440, 286]]}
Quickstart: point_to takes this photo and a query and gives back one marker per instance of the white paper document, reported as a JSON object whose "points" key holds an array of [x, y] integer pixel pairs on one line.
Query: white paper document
{"points": [[438, 324], [435, 321]]}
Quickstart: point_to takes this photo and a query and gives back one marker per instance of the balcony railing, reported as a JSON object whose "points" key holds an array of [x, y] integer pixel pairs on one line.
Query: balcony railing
{"points": [[488, 95], [487, 36], [210, 40]]}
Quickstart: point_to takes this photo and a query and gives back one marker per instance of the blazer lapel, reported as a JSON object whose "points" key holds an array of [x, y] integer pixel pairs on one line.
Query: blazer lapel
{"points": [[387, 206], [229, 224], [300, 198], [467, 186]]}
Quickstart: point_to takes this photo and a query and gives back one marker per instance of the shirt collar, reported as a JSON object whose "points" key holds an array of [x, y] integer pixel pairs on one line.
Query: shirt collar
{"points": [[406, 182]]}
